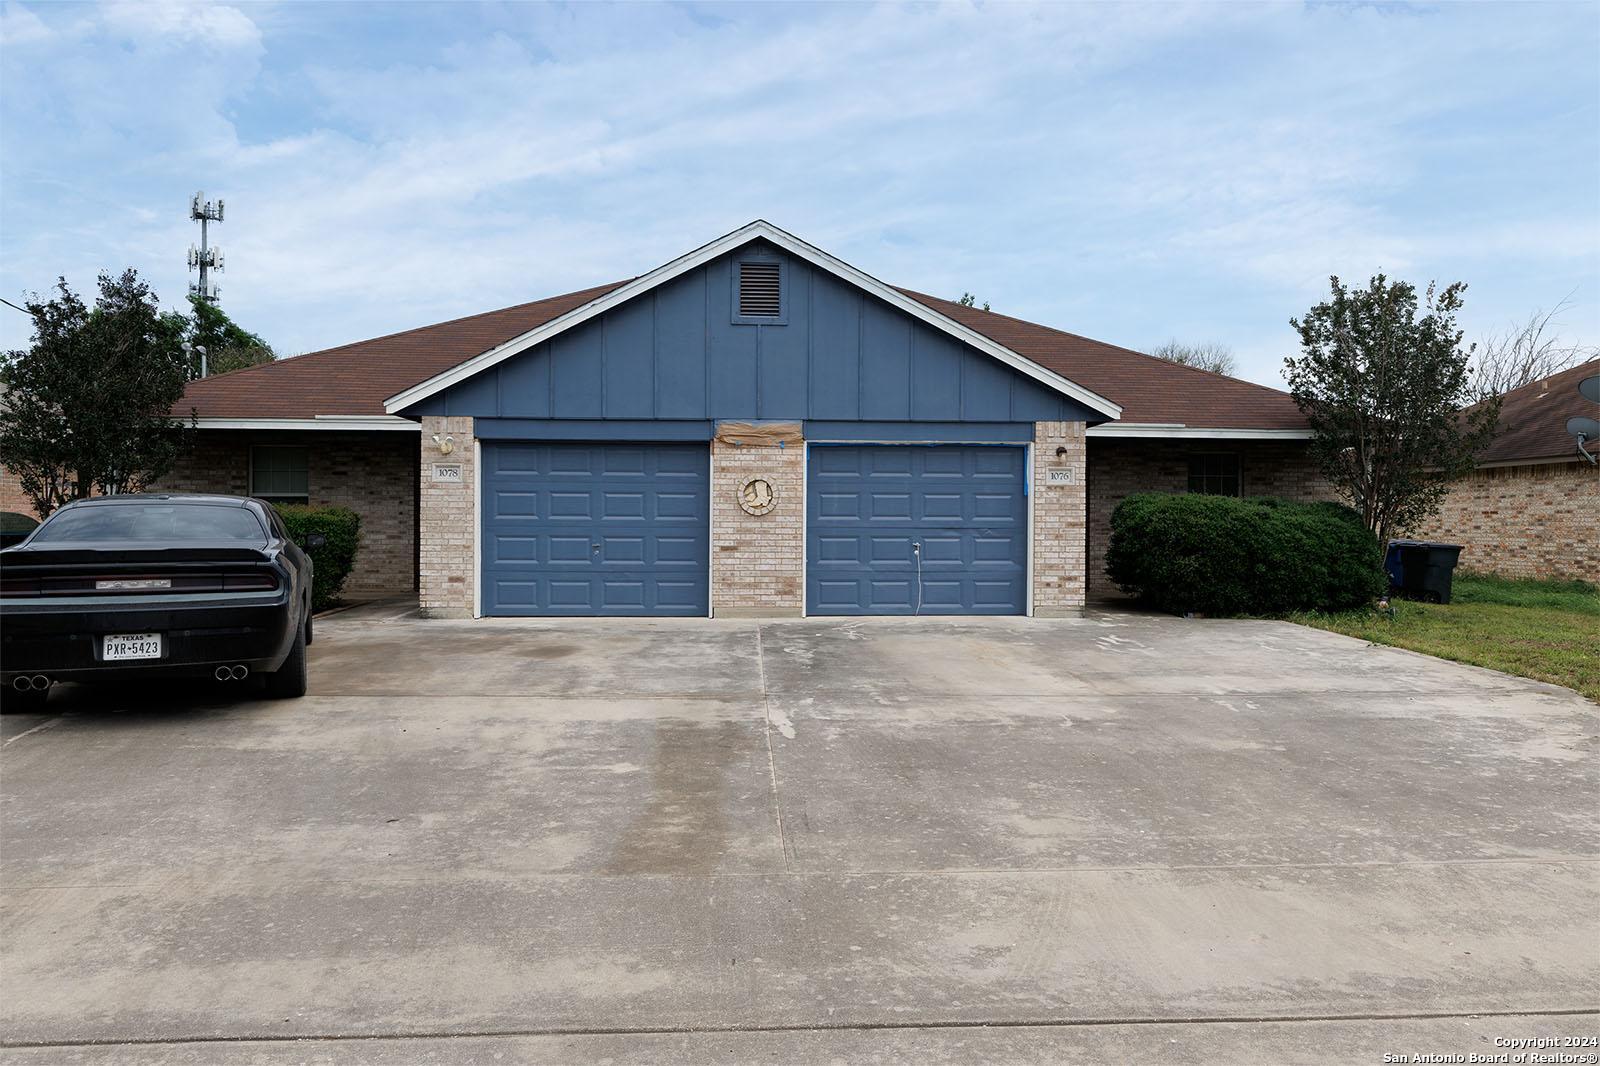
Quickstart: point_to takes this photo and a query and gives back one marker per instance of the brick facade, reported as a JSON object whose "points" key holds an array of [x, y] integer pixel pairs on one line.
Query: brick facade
{"points": [[758, 561], [12, 498], [1119, 468], [446, 579], [1059, 519], [373, 474], [1537, 520]]}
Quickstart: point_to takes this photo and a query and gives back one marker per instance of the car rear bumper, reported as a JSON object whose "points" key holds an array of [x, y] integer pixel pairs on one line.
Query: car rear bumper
{"points": [[65, 641]]}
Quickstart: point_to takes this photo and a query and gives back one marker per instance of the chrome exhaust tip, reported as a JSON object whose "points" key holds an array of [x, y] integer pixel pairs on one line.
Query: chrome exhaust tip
{"points": [[40, 682], [222, 673], [22, 684], [241, 672]]}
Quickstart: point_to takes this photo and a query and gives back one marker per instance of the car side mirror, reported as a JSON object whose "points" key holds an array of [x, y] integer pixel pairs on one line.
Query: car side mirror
{"points": [[315, 541]]}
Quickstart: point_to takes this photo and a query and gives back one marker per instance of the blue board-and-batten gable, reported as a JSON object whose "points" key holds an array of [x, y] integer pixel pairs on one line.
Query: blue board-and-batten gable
{"points": [[680, 352]]}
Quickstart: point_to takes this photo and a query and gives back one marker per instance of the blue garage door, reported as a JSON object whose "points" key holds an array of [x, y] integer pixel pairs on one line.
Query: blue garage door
{"points": [[869, 507], [592, 529]]}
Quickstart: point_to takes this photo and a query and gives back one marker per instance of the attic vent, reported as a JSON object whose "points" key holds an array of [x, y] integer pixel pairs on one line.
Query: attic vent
{"points": [[760, 290]]}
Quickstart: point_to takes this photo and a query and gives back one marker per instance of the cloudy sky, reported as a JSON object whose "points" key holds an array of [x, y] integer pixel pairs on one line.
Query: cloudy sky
{"points": [[1134, 173]]}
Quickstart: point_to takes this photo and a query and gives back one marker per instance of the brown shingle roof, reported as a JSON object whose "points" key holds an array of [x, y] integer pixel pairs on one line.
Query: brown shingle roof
{"points": [[1533, 419], [355, 379], [1149, 389]]}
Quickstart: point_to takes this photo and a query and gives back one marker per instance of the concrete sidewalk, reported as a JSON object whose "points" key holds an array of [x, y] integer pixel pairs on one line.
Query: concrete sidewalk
{"points": [[1118, 837]]}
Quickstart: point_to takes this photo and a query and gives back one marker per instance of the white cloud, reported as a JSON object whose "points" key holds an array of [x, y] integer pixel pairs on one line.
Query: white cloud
{"points": [[1126, 171]]}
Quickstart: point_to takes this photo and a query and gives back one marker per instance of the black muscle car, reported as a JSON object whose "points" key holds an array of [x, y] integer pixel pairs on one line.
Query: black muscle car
{"points": [[123, 587]]}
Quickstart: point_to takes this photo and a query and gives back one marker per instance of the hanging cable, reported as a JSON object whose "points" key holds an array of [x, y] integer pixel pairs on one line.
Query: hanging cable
{"points": [[916, 552]]}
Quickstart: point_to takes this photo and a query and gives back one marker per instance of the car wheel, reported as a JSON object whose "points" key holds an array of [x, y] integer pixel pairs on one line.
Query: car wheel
{"points": [[27, 701], [288, 681], [308, 627]]}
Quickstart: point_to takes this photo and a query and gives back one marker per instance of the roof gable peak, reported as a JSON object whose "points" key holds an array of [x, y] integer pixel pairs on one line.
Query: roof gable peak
{"points": [[787, 242]]}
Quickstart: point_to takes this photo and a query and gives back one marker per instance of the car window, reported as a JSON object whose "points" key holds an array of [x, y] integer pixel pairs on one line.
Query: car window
{"points": [[153, 522]]}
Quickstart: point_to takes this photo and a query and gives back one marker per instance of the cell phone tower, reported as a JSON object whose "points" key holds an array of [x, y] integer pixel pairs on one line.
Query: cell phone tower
{"points": [[205, 258]]}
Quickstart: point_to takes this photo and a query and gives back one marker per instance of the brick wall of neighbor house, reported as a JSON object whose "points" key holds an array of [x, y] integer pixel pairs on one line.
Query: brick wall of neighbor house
{"points": [[445, 576], [373, 474], [1539, 520], [757, 560], [1059, 519], [1119, 468], [12, 498]]}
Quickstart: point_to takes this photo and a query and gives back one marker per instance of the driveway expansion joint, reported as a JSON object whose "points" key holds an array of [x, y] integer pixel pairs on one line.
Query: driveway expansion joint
{"points": [[822, 1026]]}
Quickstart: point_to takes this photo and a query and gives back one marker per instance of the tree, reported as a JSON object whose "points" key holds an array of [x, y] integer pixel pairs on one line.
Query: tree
{"points": [[1524, 354], [969, 300], [1217, 358], [1383, 388], [228, 345], [90, 401]]}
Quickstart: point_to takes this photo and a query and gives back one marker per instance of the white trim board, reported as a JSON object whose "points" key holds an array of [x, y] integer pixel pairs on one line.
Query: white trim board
{"points": [[761, 230], [322, 422], [1179, 431]]}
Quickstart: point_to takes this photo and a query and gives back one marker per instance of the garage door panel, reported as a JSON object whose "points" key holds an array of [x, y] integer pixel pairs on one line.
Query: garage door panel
{"points": [[888, 550], [838, 504], [675, 504], [888, 594], [944, 550], [565, 549], [680, 594], [622, 506], [516, 549], [838, 549], [623, 461], [885, 461], [997, 550], [569, 594], [834, 594], [994, 507], [569, 504], [517, 504], [687, 464], [867, 505], [678, 551], [622, 551], [936, 593], [886, 504], [623, 594], [625, 529]]}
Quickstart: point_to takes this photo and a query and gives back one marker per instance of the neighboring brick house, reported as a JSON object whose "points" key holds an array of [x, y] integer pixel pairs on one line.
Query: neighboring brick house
{"points": [[755, 428], [1532, 506], [12, 498]]}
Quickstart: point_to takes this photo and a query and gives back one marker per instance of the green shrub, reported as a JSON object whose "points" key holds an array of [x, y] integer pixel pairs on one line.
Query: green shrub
{"points": [[330, 562], [1223, 556]]}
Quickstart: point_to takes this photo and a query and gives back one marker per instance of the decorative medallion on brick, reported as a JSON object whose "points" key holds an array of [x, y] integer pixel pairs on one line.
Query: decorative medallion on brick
{"points": [[757, 496]]}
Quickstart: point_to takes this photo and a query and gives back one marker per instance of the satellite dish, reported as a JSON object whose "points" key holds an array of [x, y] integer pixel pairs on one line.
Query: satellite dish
{"points": [[1588, 428], [1590, 387]]}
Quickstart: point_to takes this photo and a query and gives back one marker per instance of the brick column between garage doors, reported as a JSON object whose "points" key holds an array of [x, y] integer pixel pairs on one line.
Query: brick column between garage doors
{"points": [[1060, 519], [448, 525], [757, 561]]}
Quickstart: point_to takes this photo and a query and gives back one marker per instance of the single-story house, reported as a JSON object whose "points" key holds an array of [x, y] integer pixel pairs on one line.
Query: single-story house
{"points": [[1531, 508], [755, 428]]}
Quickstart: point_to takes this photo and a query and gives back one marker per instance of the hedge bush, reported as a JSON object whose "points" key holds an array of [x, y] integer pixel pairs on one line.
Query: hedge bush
{"points": [[330, 563], [1224, 556]]}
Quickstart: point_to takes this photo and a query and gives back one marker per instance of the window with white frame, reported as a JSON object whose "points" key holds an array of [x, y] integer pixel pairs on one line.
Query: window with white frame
{"points": [[280, 473]]}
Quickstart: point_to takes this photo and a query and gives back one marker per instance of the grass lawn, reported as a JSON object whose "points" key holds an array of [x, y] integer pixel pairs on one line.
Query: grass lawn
{"points": [[1546, 630]]}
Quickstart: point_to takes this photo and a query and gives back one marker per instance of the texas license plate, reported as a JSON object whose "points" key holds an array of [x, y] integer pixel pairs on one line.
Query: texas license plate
{"points": [[132, 646]]}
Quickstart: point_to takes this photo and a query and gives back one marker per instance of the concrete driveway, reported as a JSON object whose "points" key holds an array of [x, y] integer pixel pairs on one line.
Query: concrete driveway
{"points": [[1116, 838]]}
